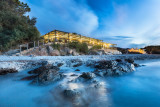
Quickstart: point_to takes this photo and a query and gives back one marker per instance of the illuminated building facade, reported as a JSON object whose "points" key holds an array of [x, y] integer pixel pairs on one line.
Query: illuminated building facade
{"points": [[65, 37], [136, 50]]}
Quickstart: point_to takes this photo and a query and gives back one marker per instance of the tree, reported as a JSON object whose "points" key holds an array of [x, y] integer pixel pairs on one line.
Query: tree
{"points": [[15, 26]]}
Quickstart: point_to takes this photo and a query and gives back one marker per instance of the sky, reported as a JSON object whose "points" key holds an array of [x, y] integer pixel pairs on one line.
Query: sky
{"points": [[127, 23]]}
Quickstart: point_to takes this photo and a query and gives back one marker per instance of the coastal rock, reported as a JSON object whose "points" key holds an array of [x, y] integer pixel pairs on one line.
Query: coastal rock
{"points": [[60, 64], [40, 69], [105, 64], [74, 75], [111, 68], [130, 60], [76, 62], [29, 77], [67, 51], [77, 70], [55, 53], [126, 67], [77, 65], [118, 60], [136, 65], [93, 52], [100, 73], [74, 53], [4, 71], [87, 75], [91, 63], [43, 51], [48, 75], [71, 94]]}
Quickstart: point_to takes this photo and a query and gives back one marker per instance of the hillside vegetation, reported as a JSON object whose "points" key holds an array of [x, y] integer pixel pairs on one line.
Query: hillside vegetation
{"points": [[15, 26]]}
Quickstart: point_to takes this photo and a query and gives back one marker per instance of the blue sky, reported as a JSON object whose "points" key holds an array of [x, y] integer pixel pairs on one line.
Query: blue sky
{"points": [[128, 23]]}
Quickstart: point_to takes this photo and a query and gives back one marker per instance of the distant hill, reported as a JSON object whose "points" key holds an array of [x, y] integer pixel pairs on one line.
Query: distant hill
{"points": [[152, 49]]}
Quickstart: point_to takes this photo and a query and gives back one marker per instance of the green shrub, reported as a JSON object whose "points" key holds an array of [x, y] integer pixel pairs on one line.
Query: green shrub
{"points": [[79, 47], [84, 48], [96, 47], [56, 46]]}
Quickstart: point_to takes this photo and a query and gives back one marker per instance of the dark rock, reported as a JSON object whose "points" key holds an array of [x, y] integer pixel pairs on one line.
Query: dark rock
{"points": [[47, 75], [125, 67], [76, 62], [118, 60], [136, 65], [105, 64], [117, 72], [98, 72], [74, 75], [29, 77], [77, 65], [4, 71], [71, 94], [43, 68], [90, 63], [87, 75], [114, 68], [77, 70], [129, 60], [59, 64]]}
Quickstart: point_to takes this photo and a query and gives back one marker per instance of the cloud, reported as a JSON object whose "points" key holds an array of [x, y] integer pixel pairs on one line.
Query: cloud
{"points": [[66, 15], [138, 21]]}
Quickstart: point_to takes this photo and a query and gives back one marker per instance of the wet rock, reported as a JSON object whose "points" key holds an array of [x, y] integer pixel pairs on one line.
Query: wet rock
{"points": [[77, 65], [113, 68], [76, 62], [4, 71], [59, 64], [48, 75], [90, 63], [136, 65], [98, 72], [77, 70], [117, 72], [129, 60], [74, 75], [103, 72], [87, 75], [118, 60], [29, 77], [71, 94], [126, 67], [103, 64], [109, 72], [40, 69]]}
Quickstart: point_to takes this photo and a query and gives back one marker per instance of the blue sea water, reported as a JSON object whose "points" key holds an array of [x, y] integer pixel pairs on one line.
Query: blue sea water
{"points": [[137, 89]]}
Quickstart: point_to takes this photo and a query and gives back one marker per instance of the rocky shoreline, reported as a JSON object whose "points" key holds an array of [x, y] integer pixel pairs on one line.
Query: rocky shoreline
{"points": [[72, 81], [74, 90], [83, 57]]}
